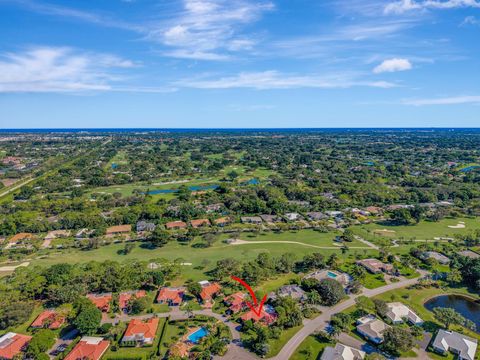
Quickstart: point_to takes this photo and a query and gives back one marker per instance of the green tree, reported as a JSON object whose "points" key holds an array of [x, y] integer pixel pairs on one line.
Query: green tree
{"points": [[397, 340], [159, 237], [331, 291], [448, 316], [88, 319], [41, 341]]}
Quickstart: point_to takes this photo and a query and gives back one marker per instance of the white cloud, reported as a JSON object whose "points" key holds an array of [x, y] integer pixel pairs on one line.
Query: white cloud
{"points": [[393, 65], [276, 80], [49, 69], [454, 100], [402, 6], [209, 29], [470, 20]]}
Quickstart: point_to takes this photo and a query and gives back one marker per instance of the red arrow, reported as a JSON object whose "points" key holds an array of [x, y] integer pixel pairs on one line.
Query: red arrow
{"points": [[252, 294]]}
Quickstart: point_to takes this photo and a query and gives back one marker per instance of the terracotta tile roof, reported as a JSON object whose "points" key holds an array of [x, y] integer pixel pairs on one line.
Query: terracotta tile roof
{"points": [[119, 229], [176, 224], [12, 344], [236, 302], [147, 329], [200, 222], [267, 317], [89, 348], [223, 220], [50, 318], [125, 297], [208, 291], [101, 301], [20, 236], [171, 295]]}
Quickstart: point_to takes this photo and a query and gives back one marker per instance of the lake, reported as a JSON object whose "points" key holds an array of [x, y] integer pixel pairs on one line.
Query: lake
{"points": [[469, 308]]}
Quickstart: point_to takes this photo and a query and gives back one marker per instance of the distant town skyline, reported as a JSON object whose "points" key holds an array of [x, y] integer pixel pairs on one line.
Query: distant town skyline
{"points": [[239, 63]]}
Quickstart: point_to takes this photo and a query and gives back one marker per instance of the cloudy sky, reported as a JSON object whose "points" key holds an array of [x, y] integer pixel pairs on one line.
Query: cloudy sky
{"points": [[239, 63]]}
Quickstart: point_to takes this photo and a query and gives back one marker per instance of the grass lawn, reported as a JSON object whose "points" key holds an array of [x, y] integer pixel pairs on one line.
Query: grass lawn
{"points": [[425, 230], [277, 344], [196, 256], [310, 349], [306, 236], [22, 328], [275, 283], [370, 281]]}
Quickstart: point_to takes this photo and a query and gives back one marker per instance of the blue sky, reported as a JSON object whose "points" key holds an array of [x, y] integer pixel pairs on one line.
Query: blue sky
{"points": [[239, 63]]}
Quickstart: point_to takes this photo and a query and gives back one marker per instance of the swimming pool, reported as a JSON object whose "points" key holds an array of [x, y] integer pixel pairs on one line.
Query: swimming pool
{"points": [[332, 275], [197, 335]]}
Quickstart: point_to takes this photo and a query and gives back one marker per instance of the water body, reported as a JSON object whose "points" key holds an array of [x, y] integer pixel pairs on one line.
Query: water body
{"points": [[470, 168], [469, 308]]}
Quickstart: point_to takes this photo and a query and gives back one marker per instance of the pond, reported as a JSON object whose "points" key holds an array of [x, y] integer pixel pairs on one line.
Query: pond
{"points": [[469, 308], [470, 168]]}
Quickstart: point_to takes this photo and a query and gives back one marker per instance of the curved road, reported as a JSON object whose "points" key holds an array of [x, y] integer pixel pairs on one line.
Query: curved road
{"points": [[321, 321]]}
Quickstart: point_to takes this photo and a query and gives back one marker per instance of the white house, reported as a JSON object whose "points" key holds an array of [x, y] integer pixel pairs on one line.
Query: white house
{"points": [[397, 312], [371, 328], [342, 352]]}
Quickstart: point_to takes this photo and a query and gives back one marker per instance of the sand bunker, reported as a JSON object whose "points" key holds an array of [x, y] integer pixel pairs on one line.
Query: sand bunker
{"points": [[384, 231], [460, 225]]}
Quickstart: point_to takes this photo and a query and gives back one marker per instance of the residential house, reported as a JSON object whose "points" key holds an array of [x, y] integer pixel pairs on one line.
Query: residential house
{"points": [[442, 259], [199, 223], [342, 352], [342, 278], [469, 253], [375, 266], [374, 210], [119, 230], [88, 348], [293, 216], [145, 226], [397, 312], [209, 291], [125, 297], [316, 216], [57, 234], [463, 346], [222, 221], [175, 225], [12, 344], [271, 218], [48, 319], [371, 328], [334, 214], [213, 207], [257, 220], [171, 296], [84, 233], [294, 291], [267, 316], [236, 302], [20, 237], [101, 301], [141, 331]]}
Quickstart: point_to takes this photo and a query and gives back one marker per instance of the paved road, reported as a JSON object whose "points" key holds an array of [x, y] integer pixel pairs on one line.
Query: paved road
{"points": [[17, 186], [321, 321]]}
